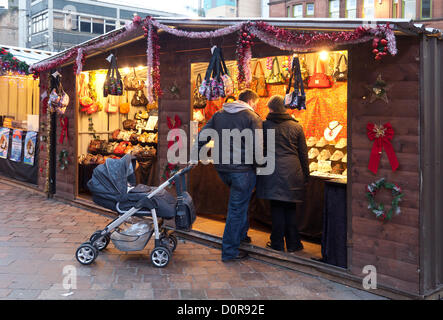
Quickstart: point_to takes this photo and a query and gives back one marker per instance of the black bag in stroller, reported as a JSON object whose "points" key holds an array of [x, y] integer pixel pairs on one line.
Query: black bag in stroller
{"points": [[112, 187]]}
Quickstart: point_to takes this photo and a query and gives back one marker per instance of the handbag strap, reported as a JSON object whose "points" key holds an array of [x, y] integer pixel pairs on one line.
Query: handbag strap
{"points": [[299, 77], [278, 67], [211, 65], [258, 64], [223, 68], [339, 61]]}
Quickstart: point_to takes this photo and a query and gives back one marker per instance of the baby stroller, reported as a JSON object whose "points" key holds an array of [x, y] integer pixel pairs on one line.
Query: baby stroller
{"points": [[112, 187]]}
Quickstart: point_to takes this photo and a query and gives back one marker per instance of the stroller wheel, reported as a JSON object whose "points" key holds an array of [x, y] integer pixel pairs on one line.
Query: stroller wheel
{"points": [[86, 253], [160, 257], [169, 242], [99, 241]]}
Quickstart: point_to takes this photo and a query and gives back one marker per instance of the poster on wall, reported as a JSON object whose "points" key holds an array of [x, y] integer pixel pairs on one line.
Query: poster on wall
{"points": [[16, 145], [29, 153], [4, 142]]}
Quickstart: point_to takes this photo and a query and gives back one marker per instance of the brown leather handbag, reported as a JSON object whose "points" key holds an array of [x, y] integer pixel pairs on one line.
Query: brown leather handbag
{"points": [[258, 83]]}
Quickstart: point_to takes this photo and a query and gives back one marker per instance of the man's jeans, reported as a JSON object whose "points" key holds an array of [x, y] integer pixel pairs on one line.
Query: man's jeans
{"points": [[241, 185]]}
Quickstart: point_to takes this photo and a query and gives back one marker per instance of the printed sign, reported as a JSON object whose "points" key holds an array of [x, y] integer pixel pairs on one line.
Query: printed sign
{"points": [[16, 145], [4, 142], [29, 153]]}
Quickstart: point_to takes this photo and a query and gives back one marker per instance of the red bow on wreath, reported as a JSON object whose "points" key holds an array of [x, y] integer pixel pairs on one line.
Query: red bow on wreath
{"points": [[382, 136], [64, 129]]}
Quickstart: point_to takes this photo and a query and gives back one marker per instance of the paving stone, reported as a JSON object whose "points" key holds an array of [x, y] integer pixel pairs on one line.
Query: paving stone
{"points": [[24, 294], [191, 294]]}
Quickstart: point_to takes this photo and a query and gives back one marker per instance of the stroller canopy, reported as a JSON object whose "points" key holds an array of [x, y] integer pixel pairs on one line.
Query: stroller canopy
{"points": [[110, 180]]}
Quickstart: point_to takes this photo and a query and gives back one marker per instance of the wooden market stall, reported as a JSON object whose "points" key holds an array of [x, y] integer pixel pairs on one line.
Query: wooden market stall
{"points": [[400, 91]]}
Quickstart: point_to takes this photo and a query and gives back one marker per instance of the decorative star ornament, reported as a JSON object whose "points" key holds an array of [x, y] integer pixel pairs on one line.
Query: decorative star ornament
{"points": [[378, 90]]}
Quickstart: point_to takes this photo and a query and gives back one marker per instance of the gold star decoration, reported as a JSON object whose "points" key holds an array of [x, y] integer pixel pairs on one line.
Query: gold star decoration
{"points": [[378, 90]]}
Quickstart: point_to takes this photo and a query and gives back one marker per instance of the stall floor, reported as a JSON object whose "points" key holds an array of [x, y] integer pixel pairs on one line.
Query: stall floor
{"points": [[259, 235]]}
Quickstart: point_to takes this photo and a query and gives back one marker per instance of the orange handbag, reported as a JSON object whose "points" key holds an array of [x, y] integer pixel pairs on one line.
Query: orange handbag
{"points": [[319, 79], [124, 107]]}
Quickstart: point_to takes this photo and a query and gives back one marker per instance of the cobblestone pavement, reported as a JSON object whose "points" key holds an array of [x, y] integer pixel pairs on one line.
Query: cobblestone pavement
{"points": [[38, 239]]}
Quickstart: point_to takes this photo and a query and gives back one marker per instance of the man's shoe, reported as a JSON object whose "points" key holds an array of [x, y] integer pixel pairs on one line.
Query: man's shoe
{"points": [[297, 248], [247, 239], [240, 256]]}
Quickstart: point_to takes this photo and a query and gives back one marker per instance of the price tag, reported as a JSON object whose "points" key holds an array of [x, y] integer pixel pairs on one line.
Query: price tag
{"points": [[56, 74], [109, 58]]}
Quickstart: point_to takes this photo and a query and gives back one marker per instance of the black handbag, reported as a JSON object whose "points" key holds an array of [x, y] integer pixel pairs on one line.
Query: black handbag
{"points": [[338, 74], [199, 101], [297, 98]]}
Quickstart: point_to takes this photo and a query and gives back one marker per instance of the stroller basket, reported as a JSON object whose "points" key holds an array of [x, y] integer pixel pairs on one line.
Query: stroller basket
{"points": [[126, 242]]}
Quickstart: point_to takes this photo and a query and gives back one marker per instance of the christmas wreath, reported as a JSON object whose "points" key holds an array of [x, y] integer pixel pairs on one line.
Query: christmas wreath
{"points": [[378, 208]]}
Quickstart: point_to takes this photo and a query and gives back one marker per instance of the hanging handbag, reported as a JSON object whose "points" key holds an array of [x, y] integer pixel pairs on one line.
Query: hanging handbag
{"points": [[111, 105], [139, 99], [124, 107], [199, 101], [113, 84], [227, 81], [129, 124], [213, 88], [319, 79], [130, 81], [275, 77], [341, 75], [258, 83], [63, 101], [297, 98]]}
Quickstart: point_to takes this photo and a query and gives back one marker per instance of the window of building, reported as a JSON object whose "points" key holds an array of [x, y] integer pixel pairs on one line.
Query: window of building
{"points": [[368, 9], [39, 23], [395, 9], [351, 9], [98, 26], [409, 9], [85, 24], [288, 12], [109, 25], [426, 9], [334, 8], [298, 11], [310, 9]]}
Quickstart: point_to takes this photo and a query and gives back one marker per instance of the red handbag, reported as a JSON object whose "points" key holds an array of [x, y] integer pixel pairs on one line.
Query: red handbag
{"points": [[319, 79]]}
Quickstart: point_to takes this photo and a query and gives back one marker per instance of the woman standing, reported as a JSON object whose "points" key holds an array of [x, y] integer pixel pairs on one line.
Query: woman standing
{"points": [[285, 186]]}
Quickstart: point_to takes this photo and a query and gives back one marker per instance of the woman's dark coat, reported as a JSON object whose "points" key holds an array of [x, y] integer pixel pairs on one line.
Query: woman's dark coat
{"points": [[291, 160]]}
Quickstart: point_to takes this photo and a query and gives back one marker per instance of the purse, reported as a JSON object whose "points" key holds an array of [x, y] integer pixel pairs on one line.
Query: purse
{"points": [[129, 124], [199, 101], [95, 146], [111, 105], [139, 99], [113, 84], [275, 77], [213, 88], [258, 83], [297, 98], [130, 81], [319, 80], [338, 74], [226, 78], [124, 107]]}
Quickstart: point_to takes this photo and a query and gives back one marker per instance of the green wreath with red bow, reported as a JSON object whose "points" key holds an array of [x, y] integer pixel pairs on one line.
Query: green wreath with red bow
{"points": [[379, 208]]}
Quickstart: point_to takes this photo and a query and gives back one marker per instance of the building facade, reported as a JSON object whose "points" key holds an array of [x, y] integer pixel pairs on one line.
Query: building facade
{"points": [[428, 12], [8, 26], [233, 8], [56, 25]]}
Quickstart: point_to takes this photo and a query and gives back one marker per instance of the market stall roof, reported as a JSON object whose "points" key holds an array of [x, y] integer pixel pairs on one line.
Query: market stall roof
{"points": [[27, 55], [399, 26]]}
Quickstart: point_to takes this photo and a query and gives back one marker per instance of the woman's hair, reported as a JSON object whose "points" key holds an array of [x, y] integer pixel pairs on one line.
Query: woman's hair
{"points": [[276, 104], [248, 95]]}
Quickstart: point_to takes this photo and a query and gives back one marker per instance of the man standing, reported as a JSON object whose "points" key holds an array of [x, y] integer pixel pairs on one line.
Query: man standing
{"points": [[238, 174]]}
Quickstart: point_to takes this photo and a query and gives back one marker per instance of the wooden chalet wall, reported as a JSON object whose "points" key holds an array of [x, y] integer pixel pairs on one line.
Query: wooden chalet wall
{"points": [[392, 247]]}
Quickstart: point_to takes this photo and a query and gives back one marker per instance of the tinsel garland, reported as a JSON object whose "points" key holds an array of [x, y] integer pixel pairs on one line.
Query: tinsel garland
{"points": [[48, 138], [149, 64], [9, 63], [79, 61]]}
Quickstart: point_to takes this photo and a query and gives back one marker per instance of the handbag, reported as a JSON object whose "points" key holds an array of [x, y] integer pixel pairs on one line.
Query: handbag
{"points": [[111, 105], [132, 83], [129, 124], [95, 146], [125, 107], [113, 84], [338, 74], [199, 101], [139, 99], [258, 83], [319, 80], [226, 78], [213, 88], [275, 77], [63, 102], [297, 98]]}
